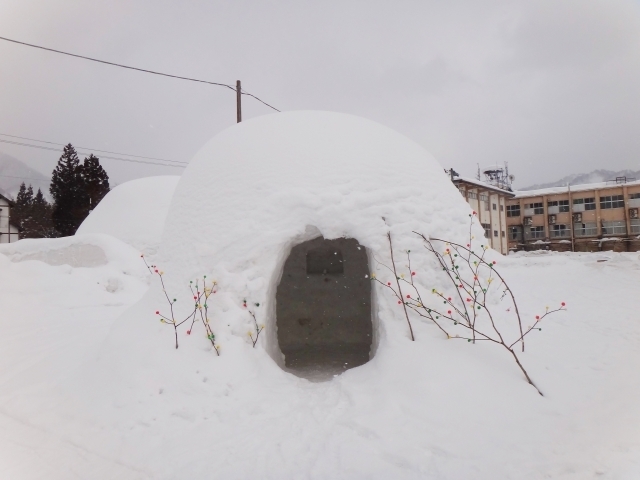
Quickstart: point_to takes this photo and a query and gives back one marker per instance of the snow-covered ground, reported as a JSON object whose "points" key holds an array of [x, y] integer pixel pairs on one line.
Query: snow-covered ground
{"points": [[429, 409]]}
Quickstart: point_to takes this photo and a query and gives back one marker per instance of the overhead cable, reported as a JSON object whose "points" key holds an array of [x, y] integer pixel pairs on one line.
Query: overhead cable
{"points": [[42, 147], [137, 69], [93, 149]]}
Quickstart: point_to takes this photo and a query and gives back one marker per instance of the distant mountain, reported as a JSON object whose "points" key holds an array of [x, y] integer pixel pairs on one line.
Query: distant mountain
{"points": [[581, 178], [13, 172]]}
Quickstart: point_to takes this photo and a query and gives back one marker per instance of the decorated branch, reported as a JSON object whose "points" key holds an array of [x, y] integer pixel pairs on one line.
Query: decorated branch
{"points": [[255, 333], [201, 291], [463, 311]]}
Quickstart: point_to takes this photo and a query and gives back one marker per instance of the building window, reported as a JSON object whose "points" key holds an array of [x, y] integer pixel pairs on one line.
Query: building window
{"points": [[502, 233], [612, 201], [538, 209], [486, 205], [495, 206], [487, 229], [535, 232], [502, 208], [559, 231], [635, 225], [495, 233], [634, 195], [585, 229], [473, 195], [558, 206], [513, 210], [563, 205], [484, 198], [515, 233], [614, 228], [589, 203]]}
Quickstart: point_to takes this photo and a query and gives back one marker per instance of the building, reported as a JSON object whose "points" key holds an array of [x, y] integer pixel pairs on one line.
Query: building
{"points": [[489, 199], [601, 216], [8, 231]]}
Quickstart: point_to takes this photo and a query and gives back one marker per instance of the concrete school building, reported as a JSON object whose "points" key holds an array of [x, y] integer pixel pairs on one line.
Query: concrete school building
{"points": [[8, 231], [489, 200], [581, 218]]}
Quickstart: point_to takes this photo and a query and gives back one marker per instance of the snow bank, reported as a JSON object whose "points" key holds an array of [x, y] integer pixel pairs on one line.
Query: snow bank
{"points": [[134, 212]]}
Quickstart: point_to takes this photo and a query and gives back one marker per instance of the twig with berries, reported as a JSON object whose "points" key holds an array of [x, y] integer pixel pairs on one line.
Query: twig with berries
{"points": [[202, 307], [472, 277], [198, 297], [257, 328]]}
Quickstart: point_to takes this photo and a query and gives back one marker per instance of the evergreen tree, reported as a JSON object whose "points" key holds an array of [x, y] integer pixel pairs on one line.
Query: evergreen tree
{"points": [[40, 223], [25, 196], [33, 214], [22, 207], [70, 198], [96, 180]]}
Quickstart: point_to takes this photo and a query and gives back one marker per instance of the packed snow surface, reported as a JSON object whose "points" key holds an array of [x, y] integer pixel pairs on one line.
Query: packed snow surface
{"points": [[91, 385], [134, 212], [429, 409]]}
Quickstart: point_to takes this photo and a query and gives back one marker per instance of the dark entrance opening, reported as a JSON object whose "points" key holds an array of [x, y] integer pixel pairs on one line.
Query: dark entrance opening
{"points": [[323, 308]]}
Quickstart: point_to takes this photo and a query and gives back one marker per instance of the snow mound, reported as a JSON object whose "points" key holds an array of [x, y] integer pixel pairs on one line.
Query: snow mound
{"points": [[260, 187], [134, 212]]}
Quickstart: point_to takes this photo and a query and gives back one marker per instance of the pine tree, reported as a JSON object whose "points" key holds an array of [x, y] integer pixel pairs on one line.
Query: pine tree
{"points": [[40, 223], [21, 210], [25, 196], [96, 180], [70, 199]]}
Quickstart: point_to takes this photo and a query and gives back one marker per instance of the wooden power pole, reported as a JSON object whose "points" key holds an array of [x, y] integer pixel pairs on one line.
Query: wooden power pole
{"points": [[239, 100]]}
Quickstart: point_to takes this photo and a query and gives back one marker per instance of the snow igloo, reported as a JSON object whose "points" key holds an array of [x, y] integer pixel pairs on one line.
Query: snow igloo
{"points": [[290, 213]]}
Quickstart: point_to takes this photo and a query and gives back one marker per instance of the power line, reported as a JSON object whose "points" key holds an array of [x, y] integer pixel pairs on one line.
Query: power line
{"points": [[93, 149], [42, 147], [243, 92], [137, 69]]}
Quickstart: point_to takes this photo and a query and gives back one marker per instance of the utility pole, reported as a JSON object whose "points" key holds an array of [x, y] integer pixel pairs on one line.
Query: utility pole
{"points": [[239, 100]]}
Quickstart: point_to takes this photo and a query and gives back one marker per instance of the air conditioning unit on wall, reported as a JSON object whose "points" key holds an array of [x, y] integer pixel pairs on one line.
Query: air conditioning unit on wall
{"points": [[552, 219], [528, 221], [577, 218], [633, 213]]}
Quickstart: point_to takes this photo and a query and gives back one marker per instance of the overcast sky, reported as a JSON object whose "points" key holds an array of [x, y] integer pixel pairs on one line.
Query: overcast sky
{"points": [[552, 87]]}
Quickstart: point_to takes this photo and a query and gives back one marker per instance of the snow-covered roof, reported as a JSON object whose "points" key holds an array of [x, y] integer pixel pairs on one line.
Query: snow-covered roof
{"points": [[574, 188], [6, 198], [482, 184]]}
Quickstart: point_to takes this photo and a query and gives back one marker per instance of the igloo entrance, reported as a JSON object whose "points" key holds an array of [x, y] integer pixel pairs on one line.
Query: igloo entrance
{"points": [[323, 308]]}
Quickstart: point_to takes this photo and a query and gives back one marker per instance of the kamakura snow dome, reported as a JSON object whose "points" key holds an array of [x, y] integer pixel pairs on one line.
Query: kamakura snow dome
{"points": [[258, 205]]}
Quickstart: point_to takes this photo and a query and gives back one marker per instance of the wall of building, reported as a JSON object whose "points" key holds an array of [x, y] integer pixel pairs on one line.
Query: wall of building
{"points": [[8, 232], [490, 207]]}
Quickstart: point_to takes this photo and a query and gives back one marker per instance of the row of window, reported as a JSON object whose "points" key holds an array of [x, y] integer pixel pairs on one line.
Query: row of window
{"points": [[487, 231], [606, 202], [579, 230], [483, 198]]}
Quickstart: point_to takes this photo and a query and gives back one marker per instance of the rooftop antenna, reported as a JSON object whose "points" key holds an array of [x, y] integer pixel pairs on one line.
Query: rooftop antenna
{"points": [[498, 176], [478, 174]]}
